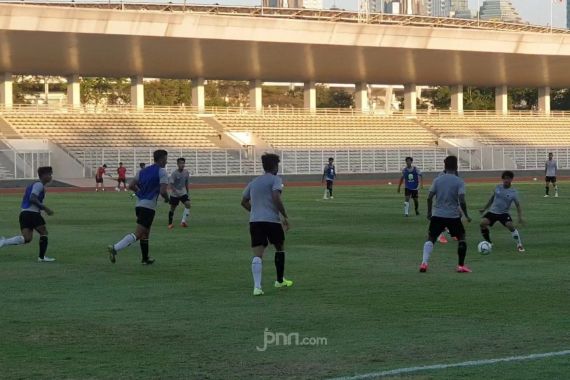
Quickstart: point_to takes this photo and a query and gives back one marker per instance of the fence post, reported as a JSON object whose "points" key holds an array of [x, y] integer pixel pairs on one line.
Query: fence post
{"points": [[240, 168], [211, 163], [361, 166], [525, 157], [15, 166], [504, 159], [226, 152]]}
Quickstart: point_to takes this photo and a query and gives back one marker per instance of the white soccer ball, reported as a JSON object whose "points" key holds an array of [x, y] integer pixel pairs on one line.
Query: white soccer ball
{"points": [[389, 183], [484, 247], [534, 179]]}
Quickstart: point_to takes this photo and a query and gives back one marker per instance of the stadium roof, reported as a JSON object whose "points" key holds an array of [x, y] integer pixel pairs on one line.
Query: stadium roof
{"points": [[240, 43]]}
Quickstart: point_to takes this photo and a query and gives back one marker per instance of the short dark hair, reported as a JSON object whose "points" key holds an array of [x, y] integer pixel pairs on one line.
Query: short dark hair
{"points": [[142, 165], [158, 154], [104, 165], [450, 163], [508, 174], [409, 158], [331, 158], [120, 163], [44, 170], [270, 161], [181, 159]]}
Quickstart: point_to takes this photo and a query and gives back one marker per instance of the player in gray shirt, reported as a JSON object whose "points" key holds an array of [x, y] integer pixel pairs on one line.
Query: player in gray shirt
{"points": [[267, 221], [448, 190], [179, 183], [498, 208], [550, 169]]}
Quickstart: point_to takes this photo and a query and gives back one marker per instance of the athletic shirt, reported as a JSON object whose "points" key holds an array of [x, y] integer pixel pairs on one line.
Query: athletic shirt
{"points": [[38, 189], [411, 177], [447, 189], [330, 172], [149, 181], [122, 172], [100, 172], [503, 199], [178, 182], [260, 193], [551, 167]]}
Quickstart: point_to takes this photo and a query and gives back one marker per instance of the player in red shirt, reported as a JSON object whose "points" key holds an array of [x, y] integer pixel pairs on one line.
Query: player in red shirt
{"points": [[122, 172], [99, 178]]}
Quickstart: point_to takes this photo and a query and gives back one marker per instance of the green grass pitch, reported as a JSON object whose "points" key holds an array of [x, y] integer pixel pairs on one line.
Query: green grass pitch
{"points": [[354, 261]]}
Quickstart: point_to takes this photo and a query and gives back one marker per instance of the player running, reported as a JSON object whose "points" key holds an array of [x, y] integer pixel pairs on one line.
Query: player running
{"points": [[262, 198], [122, 177], [31, 215], [413, 178], [550, 169], [148, 184], [179, 183], [101, 171], [498, 209], [329, 174], [449, 191]]}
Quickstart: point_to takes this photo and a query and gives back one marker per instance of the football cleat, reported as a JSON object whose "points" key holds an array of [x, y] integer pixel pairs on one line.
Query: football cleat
{"points": [[2, 241], [463, 269], [285, 284], [546, 196], [148, 261], [423, 268], [170, 226], [112, 254], [257, 292], [556, 195], [184, 224], [520, 248], [442, 239], [46, 259]]}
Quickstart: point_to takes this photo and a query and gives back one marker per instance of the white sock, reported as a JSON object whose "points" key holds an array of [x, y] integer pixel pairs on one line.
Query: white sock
{"points": [[326, 193], [428, 248], [125, 242], [185, 215], [406, 208], [256, 269], [517, 236], [16, 240]]}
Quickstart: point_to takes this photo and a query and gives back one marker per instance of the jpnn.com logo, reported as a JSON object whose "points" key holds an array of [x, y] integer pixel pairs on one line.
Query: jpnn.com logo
{"points": [[271, 338]]}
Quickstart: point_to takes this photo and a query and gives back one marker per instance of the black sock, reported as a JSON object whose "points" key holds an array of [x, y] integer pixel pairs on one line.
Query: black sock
{"points": [[144, 249], [43, 246], [462, 252], [330, 192], [547, 190], [486, 234], [416, 205], [170, 216], [280, 265]]}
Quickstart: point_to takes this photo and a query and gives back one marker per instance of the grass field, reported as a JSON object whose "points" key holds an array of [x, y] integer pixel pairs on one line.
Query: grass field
{"points": [[354, 261]]}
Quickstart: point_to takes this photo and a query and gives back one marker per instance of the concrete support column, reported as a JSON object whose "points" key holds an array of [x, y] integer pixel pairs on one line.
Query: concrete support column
{"points": [[361, 96], [73, 91], [137, 92], [388, 95], [255, 95], [6, 94], [198, 94], [501, 100], [310, 96], [456, 98], [544, 100], [410, 98]]}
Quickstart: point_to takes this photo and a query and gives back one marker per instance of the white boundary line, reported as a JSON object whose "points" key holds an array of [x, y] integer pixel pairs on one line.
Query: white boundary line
{"points": [[473, 363]]}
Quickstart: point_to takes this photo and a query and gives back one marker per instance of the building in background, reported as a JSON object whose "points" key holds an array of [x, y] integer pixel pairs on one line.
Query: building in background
{"points": [[405, 7], [568, 14], [460, 9], [499, 10], [438, 8], [309, 4]]}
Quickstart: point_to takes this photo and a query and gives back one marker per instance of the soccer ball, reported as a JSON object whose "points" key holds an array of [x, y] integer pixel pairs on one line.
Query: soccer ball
{"points": [[484, 247]]}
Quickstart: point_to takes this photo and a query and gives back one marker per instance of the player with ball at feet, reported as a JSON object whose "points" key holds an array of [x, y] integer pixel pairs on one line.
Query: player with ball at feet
{"points": [[497, 210]]}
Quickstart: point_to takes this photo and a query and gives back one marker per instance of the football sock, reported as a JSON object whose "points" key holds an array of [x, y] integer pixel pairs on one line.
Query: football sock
{"points": [[256, 269], [517, 236], [486, 234], [185, 215], [462, 252], [170, 216], [326, 194], [144, 249], [43, 245], [330, 192], [280, 265], [547, 190], [556, 189], [406, 208], [428, 248], [125, 242], [416, 205], [16, 240]]}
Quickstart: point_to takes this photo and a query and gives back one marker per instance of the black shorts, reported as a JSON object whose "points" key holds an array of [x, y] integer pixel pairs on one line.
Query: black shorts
{"points": [[550, 179], [145, 216], [31, 220], [174, 201], [438, 225], [98, 180], [263, 233], [329, 184], [494, 218], [411, 193], [123, 180]]}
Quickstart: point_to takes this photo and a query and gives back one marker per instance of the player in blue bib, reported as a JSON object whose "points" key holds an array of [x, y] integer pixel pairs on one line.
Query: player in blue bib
{"points": [[412, 177], [329, 174]]}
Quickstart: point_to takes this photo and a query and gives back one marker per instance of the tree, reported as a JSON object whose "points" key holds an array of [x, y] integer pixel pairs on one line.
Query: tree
{"points": [[99, 91], [167, 92], [333, 98]]}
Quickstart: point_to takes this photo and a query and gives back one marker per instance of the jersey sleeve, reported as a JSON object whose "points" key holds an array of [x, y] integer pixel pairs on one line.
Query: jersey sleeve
{"points": [[163, 176], [434, 186], [461, 190], [37, 188], [277, 184], [247, 192]]}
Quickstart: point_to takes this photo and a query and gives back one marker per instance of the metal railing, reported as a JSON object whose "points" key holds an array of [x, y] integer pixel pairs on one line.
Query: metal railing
{"points": [[20, 164]]}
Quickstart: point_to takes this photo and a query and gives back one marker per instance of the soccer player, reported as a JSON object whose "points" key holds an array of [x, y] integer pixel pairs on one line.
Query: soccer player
{"points": [[262, 198], [31, 215], [329, 174], [142, 165], [122, 177], [179, 183], [148, 184], [101, 171], [413, 178], [498, 209], [550, 169], [449, 191]]}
